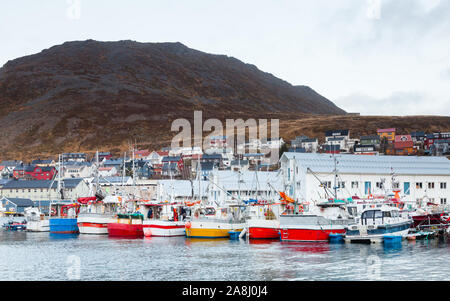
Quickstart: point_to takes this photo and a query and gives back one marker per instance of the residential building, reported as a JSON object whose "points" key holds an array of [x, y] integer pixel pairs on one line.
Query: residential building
{"points": [[388, 134], [404, 145], [16, 205], [77, 157]]}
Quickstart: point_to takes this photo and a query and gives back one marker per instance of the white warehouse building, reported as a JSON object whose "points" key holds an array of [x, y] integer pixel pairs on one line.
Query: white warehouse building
{"points": [[418, 179]]}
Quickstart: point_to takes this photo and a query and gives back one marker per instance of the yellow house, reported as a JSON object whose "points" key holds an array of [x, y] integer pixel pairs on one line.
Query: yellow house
{"points": [[389, 134]]}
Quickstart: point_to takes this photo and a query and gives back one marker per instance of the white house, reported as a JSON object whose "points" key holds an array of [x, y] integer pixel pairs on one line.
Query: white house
{"points": [[311, 177]]}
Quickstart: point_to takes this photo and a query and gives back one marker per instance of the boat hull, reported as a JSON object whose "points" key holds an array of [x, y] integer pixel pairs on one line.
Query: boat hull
{"points": [[377, 234], [310, 233], [309, 228], [212, 229], [428, 220], [125, 230], [38, 226], [263, 229], [94, 224], [63, 226], [164, 228]]}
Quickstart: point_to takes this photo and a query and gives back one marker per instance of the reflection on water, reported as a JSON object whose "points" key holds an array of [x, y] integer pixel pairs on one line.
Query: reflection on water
{"points": [[42, 256]]}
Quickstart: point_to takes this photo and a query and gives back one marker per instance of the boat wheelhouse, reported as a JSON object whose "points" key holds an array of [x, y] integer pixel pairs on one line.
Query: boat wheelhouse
{"points": [[211, 222], [128, 225]]}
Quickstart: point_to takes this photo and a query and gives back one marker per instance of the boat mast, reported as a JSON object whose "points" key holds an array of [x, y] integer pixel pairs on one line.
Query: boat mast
{"points": [[123, 170], [335, 177], [96, 173]]}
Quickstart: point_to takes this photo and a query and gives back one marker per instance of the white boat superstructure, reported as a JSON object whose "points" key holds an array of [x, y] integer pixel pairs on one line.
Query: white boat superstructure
{"points": [[36, 221]]}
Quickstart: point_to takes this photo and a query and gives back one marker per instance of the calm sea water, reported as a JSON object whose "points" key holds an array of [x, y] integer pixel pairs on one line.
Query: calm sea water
{"points": [[41, 256]]}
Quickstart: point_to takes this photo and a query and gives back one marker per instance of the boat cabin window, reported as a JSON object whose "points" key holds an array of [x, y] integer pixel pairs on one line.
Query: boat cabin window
{"points": [[210, 211], [394, 213], [371, 215], [386, 214], [351, 210]]}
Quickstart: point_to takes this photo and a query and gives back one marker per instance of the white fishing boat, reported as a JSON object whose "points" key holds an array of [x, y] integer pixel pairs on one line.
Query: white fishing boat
{"points": [[36, 220], [95, 214], [376, 223], [163, 219]]}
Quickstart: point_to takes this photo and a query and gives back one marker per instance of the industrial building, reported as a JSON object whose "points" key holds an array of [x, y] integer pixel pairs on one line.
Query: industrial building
{"points": [[314, 177]]}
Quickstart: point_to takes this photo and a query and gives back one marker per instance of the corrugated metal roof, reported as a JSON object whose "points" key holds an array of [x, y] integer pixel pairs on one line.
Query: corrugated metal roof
{"points": [[347, 163], [36, 184]]}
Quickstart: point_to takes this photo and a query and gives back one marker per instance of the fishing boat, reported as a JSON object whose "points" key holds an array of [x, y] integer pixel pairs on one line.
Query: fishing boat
{"points": [[316, 224], [375, 223], [212, 222], [163, 219], [430, 216], [63, 218], [96, 213], [36, 220], [263, 220], [15, 225], [127, 225]]}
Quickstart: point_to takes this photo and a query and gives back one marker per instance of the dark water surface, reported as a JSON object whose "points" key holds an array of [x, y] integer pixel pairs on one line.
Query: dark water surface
{"points": [[41, 256]]}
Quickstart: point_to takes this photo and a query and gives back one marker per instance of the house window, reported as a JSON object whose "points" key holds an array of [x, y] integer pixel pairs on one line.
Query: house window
{"points": [[419, 185], [341, 184], [380, 185], [443, 185], [354, 184], [443, 201], [406, 188], [396, 185], [431, 185]]}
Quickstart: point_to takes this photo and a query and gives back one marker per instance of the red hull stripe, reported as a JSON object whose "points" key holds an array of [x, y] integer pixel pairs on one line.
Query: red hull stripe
{"points": [[93, 225], [164, 227]]}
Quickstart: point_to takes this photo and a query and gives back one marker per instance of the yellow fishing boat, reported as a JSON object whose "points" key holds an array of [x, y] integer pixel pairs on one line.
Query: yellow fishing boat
{"points": [[213, 222]]}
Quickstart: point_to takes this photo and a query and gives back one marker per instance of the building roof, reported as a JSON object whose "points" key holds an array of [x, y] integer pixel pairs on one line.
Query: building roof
{"points": [[39, 161], [113, 180], [337, 133], [370, 137], [348, 163], [386, 130], [215, 156], [19, 202], [297, 150], [11, 163], [171, 159], [37, 184]]}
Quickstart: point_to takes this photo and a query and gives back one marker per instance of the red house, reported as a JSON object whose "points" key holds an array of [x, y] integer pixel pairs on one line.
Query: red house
{"points": [[403, 145], [32, 172]]}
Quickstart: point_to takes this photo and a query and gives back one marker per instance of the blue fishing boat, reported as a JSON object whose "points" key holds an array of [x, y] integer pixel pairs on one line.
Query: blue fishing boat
{"points": [[374, 224], [64, 218]]}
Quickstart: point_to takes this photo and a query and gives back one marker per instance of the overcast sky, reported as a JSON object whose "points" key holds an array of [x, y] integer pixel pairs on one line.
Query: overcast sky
{"points": [[387, 57]]}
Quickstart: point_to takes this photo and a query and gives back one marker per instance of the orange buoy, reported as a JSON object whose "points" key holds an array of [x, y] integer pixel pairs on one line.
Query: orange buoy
{"points": [[188, 225]]}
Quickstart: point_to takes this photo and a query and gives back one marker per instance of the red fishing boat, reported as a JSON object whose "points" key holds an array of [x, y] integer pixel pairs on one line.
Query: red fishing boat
{"points": [[127, 225], [316, 225]]}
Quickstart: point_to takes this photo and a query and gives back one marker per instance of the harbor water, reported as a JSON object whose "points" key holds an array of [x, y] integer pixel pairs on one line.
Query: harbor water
{"points": [[42, 256]]}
